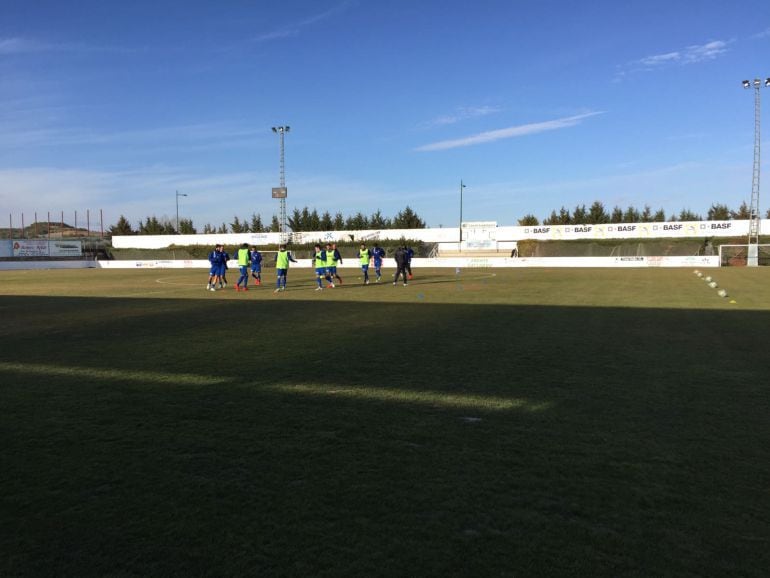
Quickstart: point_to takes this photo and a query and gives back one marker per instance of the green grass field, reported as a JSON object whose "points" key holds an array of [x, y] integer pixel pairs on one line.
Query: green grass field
{"points": [[491, 423]]}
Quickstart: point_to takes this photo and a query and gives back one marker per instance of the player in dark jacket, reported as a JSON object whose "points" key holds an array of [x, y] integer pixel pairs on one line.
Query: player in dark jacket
{"points": [[401, 257]]}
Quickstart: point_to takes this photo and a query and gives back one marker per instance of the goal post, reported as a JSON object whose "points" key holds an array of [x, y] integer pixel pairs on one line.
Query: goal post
{"points": [[744, 255]]}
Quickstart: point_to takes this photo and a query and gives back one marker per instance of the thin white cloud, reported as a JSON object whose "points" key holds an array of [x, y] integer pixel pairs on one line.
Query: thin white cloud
{"points": [[9, 46], [20, 46], [764, 34], [294, 29], [692, 54], [462, 113], [206, 135], [506, 133], [703, 52]]}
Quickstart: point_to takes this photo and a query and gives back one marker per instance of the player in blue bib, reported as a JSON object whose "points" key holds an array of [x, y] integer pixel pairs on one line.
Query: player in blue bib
{"points": [[256, 265]]}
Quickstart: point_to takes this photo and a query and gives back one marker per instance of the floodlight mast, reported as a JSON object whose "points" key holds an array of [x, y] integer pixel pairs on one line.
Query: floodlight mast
{"points": [[754, 214], [178, 194], [281, 131]]}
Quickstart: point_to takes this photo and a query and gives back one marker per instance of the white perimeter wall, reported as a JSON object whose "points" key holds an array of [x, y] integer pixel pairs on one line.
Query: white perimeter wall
{"points": [[483, 237]]}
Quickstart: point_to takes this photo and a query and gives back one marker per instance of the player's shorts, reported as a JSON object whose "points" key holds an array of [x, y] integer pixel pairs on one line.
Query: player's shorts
{"points": [[214, 270], [256, 268], [364, 267], [332, 270], [222, 270], [244, 270], [320, 271], [281, 272]]}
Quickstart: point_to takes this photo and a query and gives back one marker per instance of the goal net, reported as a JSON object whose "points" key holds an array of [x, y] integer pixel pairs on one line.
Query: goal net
{"points": [[743, 255]]}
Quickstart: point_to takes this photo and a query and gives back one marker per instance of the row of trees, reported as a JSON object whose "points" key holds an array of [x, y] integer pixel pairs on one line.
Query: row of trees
{"points": [[300, 220], [596, 214]]}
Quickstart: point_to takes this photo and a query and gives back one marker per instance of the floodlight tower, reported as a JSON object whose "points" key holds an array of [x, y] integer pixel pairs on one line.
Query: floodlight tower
{"points": [[281, 192], [754, 215], [178, 194]]}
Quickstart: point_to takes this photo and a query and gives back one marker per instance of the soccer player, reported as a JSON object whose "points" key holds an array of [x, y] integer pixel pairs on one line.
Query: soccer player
{"points": [[364, 256], [243, 266], [337, 259], [215, 259], [223, 267], [256, 265], [409, 255], [401, 258], [320, 258], [282, 267], [379, 254], [331, 265]]}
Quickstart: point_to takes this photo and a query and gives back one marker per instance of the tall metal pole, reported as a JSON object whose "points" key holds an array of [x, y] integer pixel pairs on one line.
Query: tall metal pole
{"points": [[281, 131], [754, 216], [462, 186], [178, 194]]}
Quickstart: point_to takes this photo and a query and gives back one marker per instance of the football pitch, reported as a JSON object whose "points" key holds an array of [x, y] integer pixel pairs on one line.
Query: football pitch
{"points": [[486, 422]]}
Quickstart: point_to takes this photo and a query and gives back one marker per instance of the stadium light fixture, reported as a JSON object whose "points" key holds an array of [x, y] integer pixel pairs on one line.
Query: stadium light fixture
{"points": [[767, 81], [746, 84]]}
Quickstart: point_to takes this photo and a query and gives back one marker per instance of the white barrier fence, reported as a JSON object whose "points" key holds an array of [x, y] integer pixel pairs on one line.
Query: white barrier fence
{"points": [[487, 237], [455, 262]]}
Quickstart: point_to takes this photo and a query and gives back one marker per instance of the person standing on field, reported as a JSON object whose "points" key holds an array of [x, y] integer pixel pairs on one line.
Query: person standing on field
{"points": [[409, 255], [401, 261], [256, 265], [243, 266], [215, 260], [321, 271], [379, 255], [364, 256], [337, 258], [282, 260], [331, 268]]}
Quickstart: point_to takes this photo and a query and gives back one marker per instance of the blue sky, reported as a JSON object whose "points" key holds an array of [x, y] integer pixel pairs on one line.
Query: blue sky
{"points": [[533, 104]]}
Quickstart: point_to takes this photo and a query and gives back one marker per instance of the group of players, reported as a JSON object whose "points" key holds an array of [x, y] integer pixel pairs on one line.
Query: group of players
{"points": [[324, 261]]}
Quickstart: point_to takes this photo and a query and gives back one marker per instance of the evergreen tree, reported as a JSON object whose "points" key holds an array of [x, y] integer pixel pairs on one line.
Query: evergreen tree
{"points": [[304, 222], [688, 215], [222, 229], [151, 226], [208, 229], [529, 220], [408, 219], [719, 212], [552, 219], [122, 227], [186, 227], [596, 214], [236, 226], [358, 222], [378, 221], [339, 222], [256, 223], [295, 220], [646, 216], [631, 215], [326, 223], [314, 223], [743, 213], [617, 215], [579, 215], [564, 217], [275, 225], [659, 217]]}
